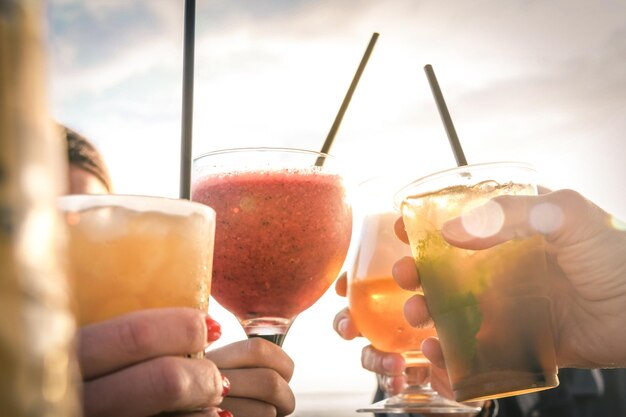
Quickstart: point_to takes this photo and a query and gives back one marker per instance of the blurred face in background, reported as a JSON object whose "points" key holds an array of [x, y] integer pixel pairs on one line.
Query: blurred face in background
{"points": [[82, 181]]}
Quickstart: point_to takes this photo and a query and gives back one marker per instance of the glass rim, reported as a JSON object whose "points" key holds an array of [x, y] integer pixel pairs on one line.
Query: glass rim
{"points": [[262, 149], [144, 203], [399, 195]]}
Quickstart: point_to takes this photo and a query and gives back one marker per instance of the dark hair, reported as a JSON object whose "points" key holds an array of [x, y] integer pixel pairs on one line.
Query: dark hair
{"points": [[82, 154]]}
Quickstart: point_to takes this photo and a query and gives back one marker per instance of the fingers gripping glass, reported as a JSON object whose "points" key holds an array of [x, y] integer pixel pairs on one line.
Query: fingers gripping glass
{"points": [[376, 303]]}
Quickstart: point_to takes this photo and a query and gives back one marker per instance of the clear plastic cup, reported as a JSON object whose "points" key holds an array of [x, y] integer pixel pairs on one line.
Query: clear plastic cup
{"points": [[490, 307]]}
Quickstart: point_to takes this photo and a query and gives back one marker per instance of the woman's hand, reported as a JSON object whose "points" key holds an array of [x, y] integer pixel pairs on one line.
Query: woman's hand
{"points": [[135, 365], [260, 372]]}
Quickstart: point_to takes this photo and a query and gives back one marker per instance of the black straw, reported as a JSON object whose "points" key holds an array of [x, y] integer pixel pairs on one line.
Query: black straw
{"points": [[346, 101], [187, 110], [445, 116]]}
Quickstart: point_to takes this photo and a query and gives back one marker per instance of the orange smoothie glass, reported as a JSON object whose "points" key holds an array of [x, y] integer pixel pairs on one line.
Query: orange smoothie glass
{"points": [[128, 253], [490, 307], [376, 302]]}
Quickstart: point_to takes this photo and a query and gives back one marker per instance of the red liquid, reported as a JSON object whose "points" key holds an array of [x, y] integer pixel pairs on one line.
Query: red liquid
{"points": [[281, 238]]}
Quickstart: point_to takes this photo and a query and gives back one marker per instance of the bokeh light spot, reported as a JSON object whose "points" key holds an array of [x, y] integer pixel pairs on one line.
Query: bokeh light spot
{"points": [[618, 224], [484, 221], [546, 217]]}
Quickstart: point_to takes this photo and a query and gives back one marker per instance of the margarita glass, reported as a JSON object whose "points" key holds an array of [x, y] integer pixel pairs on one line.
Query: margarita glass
{"points": [[283, 230]]}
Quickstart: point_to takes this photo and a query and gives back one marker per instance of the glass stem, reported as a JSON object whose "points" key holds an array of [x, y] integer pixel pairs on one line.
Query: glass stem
{"points": [[272, 329], [417, 380], [417, 389]]}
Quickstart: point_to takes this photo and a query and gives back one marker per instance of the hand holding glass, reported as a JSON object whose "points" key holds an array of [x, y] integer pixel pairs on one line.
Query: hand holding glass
{"points": [[376, 302], [490, 307]]}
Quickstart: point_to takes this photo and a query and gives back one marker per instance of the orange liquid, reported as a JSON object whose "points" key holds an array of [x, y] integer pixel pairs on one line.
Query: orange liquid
{"points": [[122, 261], [376, 305]]}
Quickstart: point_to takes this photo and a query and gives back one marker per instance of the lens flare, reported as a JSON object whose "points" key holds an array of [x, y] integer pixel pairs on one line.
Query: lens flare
{"points": [[617, 224], [484, 221], [546, 217]]}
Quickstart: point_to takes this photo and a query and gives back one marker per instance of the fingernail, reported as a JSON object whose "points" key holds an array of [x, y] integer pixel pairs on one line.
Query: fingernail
{"points": [[225, 385], [213, 329], [388, 364], [342, 326], [225, 413]]}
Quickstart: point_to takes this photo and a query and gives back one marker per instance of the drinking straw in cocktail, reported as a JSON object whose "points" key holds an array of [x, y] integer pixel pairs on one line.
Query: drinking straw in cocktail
{"points": [[445, 116], [187, 110], [346, 101]]}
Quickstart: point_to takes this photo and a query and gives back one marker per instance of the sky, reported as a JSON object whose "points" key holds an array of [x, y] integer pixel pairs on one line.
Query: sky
{"points": [[525, 80]]}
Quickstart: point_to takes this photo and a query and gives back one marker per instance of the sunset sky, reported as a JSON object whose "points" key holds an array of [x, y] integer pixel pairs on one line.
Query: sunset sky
{"points": [[525, 80]]}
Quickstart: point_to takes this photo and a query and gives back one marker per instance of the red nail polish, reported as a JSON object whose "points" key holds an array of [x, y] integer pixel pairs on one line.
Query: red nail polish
{"points": [[225, 385], [225, 413], [213, 330]]}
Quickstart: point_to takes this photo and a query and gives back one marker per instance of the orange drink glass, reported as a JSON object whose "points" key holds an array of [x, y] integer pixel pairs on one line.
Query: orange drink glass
{"points": [[131, 252], [376, 302], [490, 307]]}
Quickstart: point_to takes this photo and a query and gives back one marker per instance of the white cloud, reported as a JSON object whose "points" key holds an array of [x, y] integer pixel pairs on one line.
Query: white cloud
{"points": [[126, 65]]}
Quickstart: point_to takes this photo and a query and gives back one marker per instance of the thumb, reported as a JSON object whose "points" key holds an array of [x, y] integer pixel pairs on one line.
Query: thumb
{"points": [[341, 285], [562, 216]]}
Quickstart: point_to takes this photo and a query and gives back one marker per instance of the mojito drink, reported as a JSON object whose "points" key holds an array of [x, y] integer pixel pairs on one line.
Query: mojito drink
{"points": [[490, 307]]}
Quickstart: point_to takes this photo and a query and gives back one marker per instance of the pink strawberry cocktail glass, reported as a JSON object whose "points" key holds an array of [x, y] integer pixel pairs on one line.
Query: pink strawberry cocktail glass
{"points": [[283, 230]]}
